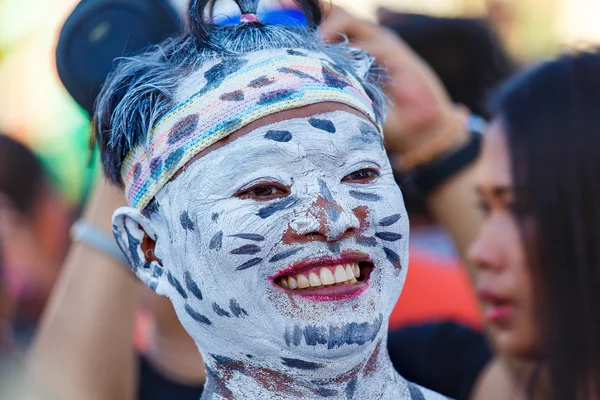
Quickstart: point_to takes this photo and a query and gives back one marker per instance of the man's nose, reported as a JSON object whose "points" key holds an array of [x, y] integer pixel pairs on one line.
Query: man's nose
{"points": [[326, 220]]}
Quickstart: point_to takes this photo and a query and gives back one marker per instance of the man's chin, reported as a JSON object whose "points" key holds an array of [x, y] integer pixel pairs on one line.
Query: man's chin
{"points": [[334, 337], [324, 353]]}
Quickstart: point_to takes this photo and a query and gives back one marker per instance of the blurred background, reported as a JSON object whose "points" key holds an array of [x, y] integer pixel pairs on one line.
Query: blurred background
{"points": [[48, 191], [37, 110]]}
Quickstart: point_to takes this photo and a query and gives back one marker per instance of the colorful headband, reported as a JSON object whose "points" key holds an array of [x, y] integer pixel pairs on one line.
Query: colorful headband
{"points": [[232, 93]]}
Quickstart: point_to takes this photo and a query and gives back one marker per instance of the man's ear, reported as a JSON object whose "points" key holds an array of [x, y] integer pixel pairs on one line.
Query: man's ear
{"points": [[133, 231]]}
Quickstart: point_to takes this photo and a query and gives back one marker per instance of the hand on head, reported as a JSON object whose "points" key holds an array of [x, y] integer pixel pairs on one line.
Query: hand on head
{"points": [[421, 107]]}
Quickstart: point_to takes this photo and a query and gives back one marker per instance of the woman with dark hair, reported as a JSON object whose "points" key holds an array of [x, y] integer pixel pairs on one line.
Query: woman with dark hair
{"points": [[536, 257], [537, 254]]}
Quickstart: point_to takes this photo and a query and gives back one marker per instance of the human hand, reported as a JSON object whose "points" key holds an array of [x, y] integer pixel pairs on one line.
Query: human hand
{"points": [[421, 110]]}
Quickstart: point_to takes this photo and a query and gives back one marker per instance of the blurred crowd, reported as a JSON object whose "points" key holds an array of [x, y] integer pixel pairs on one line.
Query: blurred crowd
{"points": [[447, 330]]}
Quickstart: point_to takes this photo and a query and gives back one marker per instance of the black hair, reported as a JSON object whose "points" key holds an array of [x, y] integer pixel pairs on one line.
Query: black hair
{"points": [[22, 176], [142, 88], [550, 115]]}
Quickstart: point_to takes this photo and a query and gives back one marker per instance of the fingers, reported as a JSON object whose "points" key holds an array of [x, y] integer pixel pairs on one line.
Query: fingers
{"points": [[339, 23], [382, 44]]}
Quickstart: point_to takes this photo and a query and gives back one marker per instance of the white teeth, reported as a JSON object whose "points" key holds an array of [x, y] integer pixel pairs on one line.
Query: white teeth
{"points": [[349, 272], [343, 275], [302, 281], [326, 277], [314, 279], [292, 283], [340, 274]]}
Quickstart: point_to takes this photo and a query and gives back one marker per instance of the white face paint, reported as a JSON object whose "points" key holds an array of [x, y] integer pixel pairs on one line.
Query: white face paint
{"points": [[227, 246], [293, 197]]}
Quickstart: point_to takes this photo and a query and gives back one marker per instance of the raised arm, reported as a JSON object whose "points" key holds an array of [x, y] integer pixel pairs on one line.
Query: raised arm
{"points": [[423, 125], [84, 348]]}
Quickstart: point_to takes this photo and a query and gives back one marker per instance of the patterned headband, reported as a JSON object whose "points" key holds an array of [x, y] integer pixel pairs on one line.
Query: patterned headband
{"points": [[233, 93]]}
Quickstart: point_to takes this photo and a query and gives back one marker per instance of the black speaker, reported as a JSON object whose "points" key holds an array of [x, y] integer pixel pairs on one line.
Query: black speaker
{"points": [[99, 31]]}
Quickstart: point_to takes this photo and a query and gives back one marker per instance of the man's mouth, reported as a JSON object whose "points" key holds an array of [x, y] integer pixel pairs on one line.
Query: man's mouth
{"points": [[327, 279], [341, 274]]}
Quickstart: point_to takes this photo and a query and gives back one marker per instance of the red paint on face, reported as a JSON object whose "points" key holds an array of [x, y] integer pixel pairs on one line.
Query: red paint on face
{"points": [[318, 211], [220, 387], [371, 364], [226, 367], [275, 381], [323, 205], [348, 376], [224, 373], [362, 213], [271, 380]]}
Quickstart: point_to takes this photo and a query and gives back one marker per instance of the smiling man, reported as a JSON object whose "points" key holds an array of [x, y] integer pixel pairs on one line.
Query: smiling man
{"points": [[263, 205]]}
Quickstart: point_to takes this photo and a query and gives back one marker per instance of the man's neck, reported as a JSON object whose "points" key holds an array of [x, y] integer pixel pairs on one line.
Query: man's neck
{"points": [[365, 377]]}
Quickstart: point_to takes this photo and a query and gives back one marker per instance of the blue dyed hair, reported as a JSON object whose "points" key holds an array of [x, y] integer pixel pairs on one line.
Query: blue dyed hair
{"points": [[142, 88]]}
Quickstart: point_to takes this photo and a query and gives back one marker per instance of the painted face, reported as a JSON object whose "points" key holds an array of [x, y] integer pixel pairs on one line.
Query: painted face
{"points": [[291, 238], [503, 277]]}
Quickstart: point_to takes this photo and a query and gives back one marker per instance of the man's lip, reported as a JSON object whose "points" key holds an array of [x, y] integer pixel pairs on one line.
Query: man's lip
{"points": [[346, 257], [331, 292]]}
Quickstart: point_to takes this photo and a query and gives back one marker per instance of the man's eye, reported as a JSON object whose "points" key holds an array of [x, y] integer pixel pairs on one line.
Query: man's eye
{"points": [[263, 192], [364, 175]]}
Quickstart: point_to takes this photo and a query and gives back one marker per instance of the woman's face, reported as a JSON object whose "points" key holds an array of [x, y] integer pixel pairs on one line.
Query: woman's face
{"points": [[503, 280]]}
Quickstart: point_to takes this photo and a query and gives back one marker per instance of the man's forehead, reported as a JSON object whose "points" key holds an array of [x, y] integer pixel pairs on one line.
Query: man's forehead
{"points": [[226, 96], [331, 132], [343, 123]]}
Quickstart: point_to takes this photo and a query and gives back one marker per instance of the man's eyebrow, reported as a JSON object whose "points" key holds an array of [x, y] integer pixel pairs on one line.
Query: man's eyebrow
{"points": [[233, 157]]}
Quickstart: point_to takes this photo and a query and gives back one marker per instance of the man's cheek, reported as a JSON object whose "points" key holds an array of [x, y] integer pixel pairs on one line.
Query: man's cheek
{"points": [[208, 299]]}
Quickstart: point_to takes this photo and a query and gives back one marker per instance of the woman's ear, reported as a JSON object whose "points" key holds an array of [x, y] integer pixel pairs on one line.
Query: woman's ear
{"points": [[136, 236]]}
